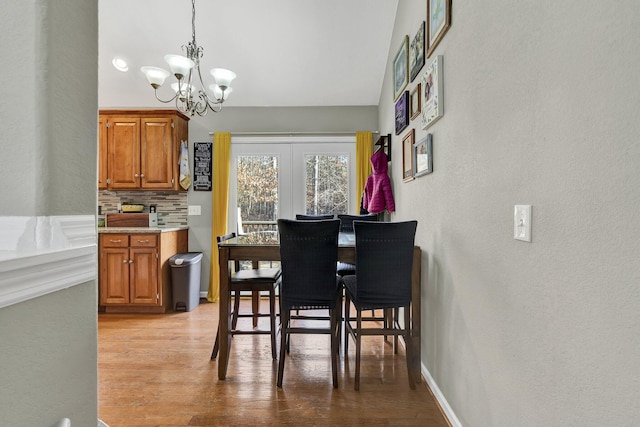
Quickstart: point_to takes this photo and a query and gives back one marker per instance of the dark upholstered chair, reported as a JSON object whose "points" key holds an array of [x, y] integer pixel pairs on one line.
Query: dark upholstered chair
{"points": [[346, 226], [254, 280], [304, 217], [308, 257], [384, 256]]}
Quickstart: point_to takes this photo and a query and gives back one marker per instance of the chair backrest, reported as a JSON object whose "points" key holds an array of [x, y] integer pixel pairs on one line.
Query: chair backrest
{"points": [[308, 258], [384, 260], [304, 217], [346, 221]]}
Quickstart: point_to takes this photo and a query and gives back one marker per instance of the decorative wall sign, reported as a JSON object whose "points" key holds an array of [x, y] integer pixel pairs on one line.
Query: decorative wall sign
{"points": [[407, 156], [401, 68], [423, 156], [402, 112], [438, 22], [432, 99], [202, 156], [416, 53]]}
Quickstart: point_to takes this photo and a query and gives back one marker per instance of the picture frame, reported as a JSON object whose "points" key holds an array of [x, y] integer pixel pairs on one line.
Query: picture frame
{"points": [[415, 102], [432, 97], [416, 52], [401, 69], [402, 112], [407, 156], [423, 156], [438, 22]]}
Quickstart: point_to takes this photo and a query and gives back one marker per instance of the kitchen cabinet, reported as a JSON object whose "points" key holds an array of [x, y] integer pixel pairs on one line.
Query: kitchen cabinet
{"points": [[134, 271], [102, 153], [142, 148]]}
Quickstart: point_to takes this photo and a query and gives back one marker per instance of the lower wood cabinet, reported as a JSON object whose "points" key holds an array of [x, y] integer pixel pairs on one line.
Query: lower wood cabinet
{"points": [[135, 275]]}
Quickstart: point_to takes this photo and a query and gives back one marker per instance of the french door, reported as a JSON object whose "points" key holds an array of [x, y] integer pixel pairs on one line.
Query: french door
{"points": [[273, 178]]}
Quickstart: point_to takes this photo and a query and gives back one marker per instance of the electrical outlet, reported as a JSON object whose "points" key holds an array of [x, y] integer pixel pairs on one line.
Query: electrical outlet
{"points": [[522, 223], [195, 210]]}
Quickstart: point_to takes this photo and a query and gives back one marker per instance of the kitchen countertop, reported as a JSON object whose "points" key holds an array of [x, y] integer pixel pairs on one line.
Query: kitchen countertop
{"points": [[139, 230]]}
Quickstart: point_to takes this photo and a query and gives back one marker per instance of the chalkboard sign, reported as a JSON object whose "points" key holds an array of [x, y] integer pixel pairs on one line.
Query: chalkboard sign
{"points": [[202, 155]]}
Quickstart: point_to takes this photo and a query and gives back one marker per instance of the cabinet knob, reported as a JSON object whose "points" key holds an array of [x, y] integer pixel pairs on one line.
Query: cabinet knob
{"points": [[141, 175], [136, 176], [130, 261], [125, 261]]}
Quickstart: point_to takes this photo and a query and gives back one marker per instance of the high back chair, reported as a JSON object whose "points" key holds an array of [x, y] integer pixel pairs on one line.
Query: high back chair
{"points": [[305, 217], [384, 256], [308, 257], [255, 280], [346, 226]]}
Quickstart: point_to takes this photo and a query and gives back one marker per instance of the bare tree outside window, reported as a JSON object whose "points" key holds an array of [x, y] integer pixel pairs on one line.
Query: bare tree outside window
{"points": [[327, 184]]}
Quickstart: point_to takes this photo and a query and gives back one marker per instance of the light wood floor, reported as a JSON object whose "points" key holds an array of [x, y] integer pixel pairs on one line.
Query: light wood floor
{"points": [[154, 370]]}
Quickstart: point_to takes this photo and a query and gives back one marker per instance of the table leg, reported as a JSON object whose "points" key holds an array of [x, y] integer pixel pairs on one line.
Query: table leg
{"points": [[223, 322]]}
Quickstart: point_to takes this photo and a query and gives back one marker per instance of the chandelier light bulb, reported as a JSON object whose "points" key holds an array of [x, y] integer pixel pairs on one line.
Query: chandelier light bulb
{"points": [[180, 65], [217, 92]]}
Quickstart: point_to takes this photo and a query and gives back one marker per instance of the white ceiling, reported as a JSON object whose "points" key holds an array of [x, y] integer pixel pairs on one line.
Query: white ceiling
{"points": [[285, 52]]}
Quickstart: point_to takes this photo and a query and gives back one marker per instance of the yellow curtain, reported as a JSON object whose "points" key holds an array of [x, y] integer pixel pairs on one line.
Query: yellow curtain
{"points": [[220, 205], [364, 150]]}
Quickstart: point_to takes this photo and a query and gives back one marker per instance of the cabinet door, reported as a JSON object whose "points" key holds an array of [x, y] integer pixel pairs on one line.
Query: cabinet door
{"points": [[143, 276], [156, 153], [114, 276], [123, 140], [102, 153]]}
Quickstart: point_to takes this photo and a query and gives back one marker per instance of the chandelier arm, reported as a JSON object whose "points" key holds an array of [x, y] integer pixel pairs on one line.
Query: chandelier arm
{"points": [[155, 91]]}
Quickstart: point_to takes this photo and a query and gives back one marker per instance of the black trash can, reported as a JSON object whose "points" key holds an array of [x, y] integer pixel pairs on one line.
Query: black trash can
{"points": [[185, 280]]}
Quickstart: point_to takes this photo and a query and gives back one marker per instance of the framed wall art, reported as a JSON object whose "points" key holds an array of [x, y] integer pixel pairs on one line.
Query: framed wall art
{"points": [[202, 156], [402, 112], [401, 69], [416, 53], [432, 99], [423, 156], [415, 102], [438, 22], [407, 156]]}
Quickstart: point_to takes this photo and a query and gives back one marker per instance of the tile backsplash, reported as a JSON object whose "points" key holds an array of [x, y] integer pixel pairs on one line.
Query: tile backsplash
{"points": [[172, 206]]}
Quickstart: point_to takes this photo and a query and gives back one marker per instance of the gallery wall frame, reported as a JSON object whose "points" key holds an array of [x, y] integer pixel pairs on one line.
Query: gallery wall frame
{"points": [[402, 112], [416, 52], [438, 22], [407, 156], [432, 92], [415, 101], [423, 156], [401, 68]]}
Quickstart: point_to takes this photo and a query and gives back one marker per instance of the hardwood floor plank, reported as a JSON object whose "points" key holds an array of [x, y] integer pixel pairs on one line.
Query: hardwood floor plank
{"points": [[154, 370]]}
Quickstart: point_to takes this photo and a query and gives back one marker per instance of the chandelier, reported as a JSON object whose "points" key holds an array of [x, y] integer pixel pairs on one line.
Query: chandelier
{"points": [[186, 69]]}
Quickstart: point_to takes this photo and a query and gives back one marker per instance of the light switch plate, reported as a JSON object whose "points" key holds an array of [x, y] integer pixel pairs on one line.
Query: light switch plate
{"points": [[522, 223], [195, 210]]}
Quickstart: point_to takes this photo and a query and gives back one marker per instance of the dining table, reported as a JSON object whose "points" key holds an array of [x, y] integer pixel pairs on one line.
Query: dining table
{"points": [[264, 246]]}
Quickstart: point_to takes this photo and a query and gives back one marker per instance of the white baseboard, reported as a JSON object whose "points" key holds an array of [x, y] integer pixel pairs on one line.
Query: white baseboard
{"points": [[203, 294], [442, 401]]}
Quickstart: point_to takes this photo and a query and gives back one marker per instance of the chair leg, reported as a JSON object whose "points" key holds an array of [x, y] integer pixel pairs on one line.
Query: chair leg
{"points": [[392, 321], [335, 348], [408, 340], [272, 318], [216, 346], [347, 315], [236, 309], [358, 347], [284, 327], [255, 305]]}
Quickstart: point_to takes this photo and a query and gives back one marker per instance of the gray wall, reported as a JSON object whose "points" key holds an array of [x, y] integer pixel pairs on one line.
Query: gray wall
{"points": [[540, 108], [48, 138], [263, 119]]}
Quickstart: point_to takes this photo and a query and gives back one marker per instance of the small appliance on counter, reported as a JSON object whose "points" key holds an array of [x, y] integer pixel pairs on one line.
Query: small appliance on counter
{"points": [[132, 220]]}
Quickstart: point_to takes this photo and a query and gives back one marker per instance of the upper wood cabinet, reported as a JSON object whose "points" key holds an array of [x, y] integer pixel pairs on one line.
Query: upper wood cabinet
{"points": [[143, 149], [102, 153]]}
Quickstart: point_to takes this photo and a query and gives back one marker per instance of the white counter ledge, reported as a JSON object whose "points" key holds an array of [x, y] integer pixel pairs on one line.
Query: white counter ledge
{"points": [[44, 254], [139, 230]]}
